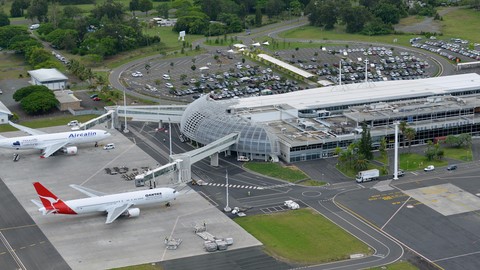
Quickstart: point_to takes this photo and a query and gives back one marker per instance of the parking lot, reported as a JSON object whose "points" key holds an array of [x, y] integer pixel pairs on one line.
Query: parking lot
{"points": [[229, 75]]}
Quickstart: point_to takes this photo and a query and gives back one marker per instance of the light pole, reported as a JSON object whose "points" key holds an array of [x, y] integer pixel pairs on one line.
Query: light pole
{"points": [[125, 130], [227, 207], [366, 70], [395, 162], [170, 135]]}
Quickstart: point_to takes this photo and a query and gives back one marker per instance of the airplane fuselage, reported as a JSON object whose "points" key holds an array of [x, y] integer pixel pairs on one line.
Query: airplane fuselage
{"points": [[40, 141], [102, 203]]}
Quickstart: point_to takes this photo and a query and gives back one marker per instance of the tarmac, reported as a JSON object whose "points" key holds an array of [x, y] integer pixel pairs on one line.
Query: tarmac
{"points": [[86, 242]]}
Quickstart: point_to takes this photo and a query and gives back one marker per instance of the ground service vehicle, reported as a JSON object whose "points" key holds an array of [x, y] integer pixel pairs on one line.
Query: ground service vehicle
{"points": [[429, 168], [368, 175]]}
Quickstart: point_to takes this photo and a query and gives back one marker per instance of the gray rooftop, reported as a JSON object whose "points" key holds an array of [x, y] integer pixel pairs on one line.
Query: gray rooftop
{"points": [[364, 93], [47, 74]]}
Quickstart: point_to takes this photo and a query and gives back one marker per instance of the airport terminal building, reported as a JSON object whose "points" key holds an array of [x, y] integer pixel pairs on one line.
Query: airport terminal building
{"points": [[310, 124]]}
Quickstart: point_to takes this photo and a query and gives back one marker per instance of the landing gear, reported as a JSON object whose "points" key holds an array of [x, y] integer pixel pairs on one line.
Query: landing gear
{"points": [[167, 204]]}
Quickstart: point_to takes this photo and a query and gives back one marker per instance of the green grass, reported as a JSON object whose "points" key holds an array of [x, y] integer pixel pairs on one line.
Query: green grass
{"points": [[397, 266], [414, 162], [291, 174], [316, 33], [302, 236], [49, 122], [463, 154], [465, 28]]}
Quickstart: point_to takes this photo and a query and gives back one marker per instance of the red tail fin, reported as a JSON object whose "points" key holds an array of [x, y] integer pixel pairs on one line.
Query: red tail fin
{"points": [[48, 198], [51, 202]]}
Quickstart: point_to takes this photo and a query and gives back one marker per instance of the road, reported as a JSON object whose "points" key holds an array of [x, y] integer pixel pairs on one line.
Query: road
{"points": [[24, 246], [271, 196]]}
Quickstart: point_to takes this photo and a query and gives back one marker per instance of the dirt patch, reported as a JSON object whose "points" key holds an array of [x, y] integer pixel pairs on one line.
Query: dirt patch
{"points": [[428, 24]]}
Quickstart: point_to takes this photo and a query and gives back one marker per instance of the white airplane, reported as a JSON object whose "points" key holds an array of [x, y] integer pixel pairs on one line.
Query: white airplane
{"points": [[50, 143], [114, 205]]}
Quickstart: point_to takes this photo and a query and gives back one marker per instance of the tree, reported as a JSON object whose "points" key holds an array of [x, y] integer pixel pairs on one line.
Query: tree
{"points": [[383, 148], [39, 102], [145, 6], [36, 56], [459, 140], [402, 127], [365, 144], [274, 7], [26, 91], [410, 134], [433, 151], [163, 9], [38, 9], [193, 67], [296, 7], [18, 6], [258, 16], [360, 163], [133, 5], [4, 19], [388, 13], [70, 12], [110, 9], [355, 18]]}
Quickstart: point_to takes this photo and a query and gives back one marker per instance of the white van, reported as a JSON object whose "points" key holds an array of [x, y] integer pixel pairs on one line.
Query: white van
{"points": [[166, 77], [109, 146]]}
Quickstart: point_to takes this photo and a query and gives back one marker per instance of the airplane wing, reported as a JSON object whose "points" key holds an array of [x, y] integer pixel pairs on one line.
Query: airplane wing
{"points": [[28, 130], [87, 191], [52, 148], [115, 211]]}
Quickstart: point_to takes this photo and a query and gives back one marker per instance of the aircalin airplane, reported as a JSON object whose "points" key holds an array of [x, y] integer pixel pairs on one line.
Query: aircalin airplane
{"points": [[52, 142], [114, 205]]}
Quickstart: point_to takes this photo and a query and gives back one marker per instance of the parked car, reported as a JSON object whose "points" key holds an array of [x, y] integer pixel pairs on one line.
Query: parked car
{"points": [[109, 146], [169, 85], [451, 167], [96, 99], [166, 77], [137, 74], [73, 123], [429, 168], [400, 173], [94, 96], [34, 26]]}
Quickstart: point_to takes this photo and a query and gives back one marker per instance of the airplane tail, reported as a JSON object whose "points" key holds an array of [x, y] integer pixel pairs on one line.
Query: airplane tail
{"points": [[47, 198]]}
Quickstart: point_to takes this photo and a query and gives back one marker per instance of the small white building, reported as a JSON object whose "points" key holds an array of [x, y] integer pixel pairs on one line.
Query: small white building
{"points": [[50, 77], [4, 114]]}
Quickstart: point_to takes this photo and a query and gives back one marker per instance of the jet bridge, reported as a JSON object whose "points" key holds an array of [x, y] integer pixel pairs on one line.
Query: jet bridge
{"points": [[181, 164], [95, 121]]}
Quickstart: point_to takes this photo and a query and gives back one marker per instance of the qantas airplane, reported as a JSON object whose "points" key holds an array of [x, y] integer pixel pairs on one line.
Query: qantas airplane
{"points": [[114, 205], [51, 143]]}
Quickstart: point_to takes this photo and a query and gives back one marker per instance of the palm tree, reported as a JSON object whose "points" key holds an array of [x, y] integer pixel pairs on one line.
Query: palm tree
{"points": [[403, 126], [361, 163], [410, 135]]}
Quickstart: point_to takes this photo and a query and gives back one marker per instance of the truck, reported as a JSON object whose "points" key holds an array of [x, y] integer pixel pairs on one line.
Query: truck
{"points": [[368, 175], [291, 205]]}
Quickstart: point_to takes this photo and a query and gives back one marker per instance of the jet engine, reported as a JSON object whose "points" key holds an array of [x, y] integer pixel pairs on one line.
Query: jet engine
{"points": [[71, 150], [132, 212]]}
